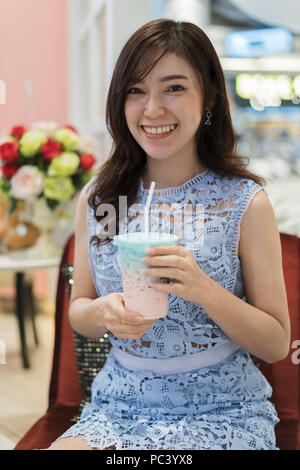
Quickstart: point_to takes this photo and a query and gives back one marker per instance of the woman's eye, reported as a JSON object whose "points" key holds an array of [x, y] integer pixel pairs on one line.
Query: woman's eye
{"points": [[134, 91], [130, 90], [177, 86]]}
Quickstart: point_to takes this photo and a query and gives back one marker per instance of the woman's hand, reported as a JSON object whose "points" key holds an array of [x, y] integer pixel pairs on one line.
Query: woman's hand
{"points": [[177, 263], [111, 310]]}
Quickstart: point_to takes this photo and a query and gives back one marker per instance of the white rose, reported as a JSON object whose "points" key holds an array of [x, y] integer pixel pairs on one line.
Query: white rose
{"points": [[42, 216], [27, 183], [87, 144], [49, 127]]}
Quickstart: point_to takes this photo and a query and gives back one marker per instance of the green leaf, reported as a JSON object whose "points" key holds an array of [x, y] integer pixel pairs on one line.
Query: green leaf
{"points": [[81, 178], [13, 206], [5, 185], [52, 203]]}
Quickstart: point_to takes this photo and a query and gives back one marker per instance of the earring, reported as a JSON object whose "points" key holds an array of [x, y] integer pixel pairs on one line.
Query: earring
{"points": [[208, 116]]}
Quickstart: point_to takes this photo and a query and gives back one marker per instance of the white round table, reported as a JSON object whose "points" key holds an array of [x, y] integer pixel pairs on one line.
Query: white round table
{"points": [[19, 262]]}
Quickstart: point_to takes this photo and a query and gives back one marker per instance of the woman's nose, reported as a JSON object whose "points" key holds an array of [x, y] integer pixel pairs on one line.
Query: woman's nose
{"points": [[153, 107]]}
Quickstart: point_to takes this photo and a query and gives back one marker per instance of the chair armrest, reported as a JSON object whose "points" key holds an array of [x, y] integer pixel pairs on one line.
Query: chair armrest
{"points": [[90, 353]]}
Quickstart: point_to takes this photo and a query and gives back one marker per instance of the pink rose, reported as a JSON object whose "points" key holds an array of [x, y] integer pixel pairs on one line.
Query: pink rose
{"points": [[27, 183]]}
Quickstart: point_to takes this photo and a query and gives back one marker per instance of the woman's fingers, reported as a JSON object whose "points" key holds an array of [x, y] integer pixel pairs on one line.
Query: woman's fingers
{"points": [[124, 323], [120, 312]]}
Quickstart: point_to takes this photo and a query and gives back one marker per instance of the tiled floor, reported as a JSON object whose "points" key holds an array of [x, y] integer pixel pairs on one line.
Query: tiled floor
{"points": [[23, 392]]}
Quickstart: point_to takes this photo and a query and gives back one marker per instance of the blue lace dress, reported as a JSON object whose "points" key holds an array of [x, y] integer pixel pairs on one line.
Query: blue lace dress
{"points": [[223, 406]]}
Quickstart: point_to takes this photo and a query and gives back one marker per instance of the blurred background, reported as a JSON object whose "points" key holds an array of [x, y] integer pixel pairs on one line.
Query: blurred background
{"points": [[56, 62]]}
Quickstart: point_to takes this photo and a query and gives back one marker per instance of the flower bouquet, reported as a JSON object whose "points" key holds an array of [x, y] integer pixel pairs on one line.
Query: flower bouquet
{"points": [[42, 171]]}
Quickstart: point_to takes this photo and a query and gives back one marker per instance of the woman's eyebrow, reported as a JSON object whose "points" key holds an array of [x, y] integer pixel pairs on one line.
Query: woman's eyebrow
{"points": [[170, 77]]}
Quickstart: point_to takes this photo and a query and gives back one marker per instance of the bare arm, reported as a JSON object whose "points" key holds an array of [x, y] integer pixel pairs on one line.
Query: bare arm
{"points": [[90, 315], [262, 325], [85, 309]]}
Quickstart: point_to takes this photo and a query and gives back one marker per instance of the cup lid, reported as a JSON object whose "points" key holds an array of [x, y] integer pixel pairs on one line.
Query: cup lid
{"points": [[155, 238]]}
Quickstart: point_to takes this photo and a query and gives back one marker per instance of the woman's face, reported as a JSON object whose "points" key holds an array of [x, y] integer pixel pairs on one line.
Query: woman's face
{"points": [[161, 101]]}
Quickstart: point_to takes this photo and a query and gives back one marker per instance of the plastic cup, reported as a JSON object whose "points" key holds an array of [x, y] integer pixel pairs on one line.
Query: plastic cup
{"points": [[139, 296]]}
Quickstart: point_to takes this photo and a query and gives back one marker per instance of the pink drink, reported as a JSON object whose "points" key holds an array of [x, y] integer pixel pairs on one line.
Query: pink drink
{"points": [[138, 294]]}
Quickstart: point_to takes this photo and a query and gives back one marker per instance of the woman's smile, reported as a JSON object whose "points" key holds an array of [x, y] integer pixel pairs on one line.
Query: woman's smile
{"points": [[158, 132]]}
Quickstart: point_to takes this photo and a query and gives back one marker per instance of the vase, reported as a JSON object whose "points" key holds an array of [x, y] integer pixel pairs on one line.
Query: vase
{"points": [[55, 226], [16, 234], [35, 227]]}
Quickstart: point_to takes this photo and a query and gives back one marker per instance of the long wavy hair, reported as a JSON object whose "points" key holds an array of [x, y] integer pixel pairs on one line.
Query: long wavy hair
{"points": [[216, 144]]}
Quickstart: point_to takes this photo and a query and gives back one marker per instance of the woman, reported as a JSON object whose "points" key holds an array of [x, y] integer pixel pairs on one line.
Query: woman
{"points": [[169, 118]]}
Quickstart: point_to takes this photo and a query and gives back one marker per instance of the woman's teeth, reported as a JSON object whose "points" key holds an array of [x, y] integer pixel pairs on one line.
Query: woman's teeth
{"points": [[159, 130]]}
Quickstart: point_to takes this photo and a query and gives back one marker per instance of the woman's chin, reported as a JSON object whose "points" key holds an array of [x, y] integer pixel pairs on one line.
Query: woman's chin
{"points": [[158, 157]]}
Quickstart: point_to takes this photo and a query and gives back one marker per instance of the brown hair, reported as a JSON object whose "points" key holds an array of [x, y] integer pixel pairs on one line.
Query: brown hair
{"points": [[121, 172]]}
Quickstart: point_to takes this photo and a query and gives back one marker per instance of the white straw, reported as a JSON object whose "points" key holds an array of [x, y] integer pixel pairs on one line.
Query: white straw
{"points": [[148, 206]]}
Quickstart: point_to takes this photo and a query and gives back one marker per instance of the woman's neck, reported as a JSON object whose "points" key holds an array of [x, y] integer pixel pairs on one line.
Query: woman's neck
{"points": [[166, 178]]}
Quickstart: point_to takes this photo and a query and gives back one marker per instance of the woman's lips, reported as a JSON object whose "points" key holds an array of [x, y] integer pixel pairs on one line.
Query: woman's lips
{"points": [[158, 136]]}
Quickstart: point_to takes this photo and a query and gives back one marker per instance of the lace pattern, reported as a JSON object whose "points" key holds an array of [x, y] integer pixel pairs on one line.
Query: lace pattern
{"points": [[223, 406], [212, 207]]}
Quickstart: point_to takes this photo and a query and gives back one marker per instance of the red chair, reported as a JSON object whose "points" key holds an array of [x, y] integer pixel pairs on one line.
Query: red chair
{"points": [[284, 376], [68, 389], [65, 392]]}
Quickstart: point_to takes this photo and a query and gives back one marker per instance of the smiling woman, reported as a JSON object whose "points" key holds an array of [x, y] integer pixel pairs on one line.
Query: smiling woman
{"points": [[186, 380], [164, 118]]}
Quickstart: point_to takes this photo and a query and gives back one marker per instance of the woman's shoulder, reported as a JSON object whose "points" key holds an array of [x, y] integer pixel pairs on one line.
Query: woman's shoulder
{"points": [[89, 185], [86, 191], [250, 196], [234, 183], [84, 194]]}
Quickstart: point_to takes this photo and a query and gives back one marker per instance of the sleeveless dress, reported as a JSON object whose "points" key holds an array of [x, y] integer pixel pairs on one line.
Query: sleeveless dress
{"points": [[221, 406]]}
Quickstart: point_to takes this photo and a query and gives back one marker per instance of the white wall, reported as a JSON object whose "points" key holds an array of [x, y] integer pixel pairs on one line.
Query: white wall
{"points": [[97, 31]]}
